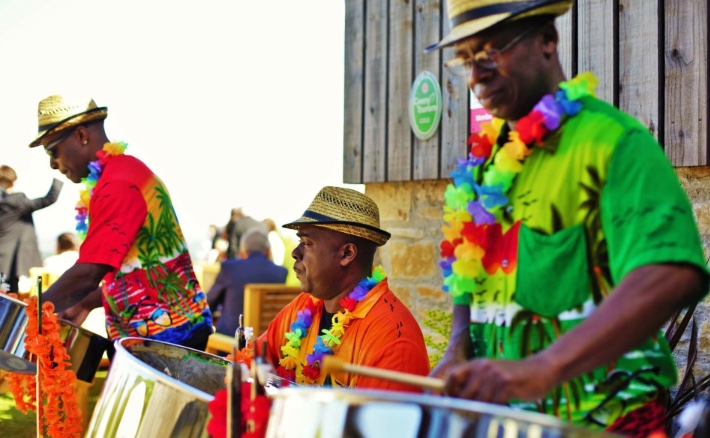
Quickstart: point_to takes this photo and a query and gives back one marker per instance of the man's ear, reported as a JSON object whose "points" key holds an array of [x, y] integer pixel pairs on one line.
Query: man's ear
{"points": [[83, 134], [348, 254], [550, 40]]}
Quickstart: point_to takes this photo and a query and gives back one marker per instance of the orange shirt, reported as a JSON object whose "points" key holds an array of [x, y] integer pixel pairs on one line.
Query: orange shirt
{"points": [[382, 334]]}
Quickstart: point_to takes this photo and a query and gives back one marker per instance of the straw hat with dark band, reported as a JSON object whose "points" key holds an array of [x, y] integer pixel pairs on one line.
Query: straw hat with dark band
{"points": [[344, 210], [469, 17], [57, 113]]}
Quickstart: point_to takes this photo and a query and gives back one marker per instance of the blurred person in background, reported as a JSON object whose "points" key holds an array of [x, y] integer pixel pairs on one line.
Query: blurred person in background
{"points": [[253, 266], [19, 250], [281, 248], [67, 253], [239, 223]]}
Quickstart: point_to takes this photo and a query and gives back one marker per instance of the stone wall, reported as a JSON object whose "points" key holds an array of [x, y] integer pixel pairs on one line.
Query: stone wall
{"points": [[411, 211]]}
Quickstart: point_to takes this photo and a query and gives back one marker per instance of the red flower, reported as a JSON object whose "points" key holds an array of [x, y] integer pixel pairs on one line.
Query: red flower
{"points": [[480, 146], [217, 426], [447, 248], [501, 249], [310, 305], [475, 234], [348, 303], [311, 371], [531, 127], [254, 412], [286, 374]]}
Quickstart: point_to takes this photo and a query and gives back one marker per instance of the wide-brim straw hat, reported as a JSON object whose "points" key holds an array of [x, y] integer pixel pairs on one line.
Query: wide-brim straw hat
{"points": [[57, 113], [344, 210], [469, 17]]}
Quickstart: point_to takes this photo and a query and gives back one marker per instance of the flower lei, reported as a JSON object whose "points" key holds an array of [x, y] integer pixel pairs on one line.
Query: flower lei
{"points": [[325, 343], [61, 414], [473, 211], [96, 168]]}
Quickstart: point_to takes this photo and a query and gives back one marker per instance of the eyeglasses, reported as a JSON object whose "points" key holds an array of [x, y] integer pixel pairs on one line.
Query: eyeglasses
{"points": [[487, 59], [49, 148]]}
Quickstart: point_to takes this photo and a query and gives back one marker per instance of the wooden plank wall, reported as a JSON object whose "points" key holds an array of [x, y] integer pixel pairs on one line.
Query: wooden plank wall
{"points": [[650, 57]]}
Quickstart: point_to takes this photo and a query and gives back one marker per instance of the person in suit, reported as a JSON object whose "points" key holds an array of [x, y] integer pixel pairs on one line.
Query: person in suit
{"points": [[19, 250], [253, 266], [239, 223]]}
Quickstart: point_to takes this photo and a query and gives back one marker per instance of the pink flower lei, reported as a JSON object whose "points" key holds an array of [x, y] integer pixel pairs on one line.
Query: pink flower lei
{"points": [[325, 343], [96, 168]]}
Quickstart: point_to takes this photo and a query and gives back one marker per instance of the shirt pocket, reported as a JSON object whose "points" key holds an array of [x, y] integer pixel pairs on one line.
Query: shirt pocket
{"points": [[552, 274]]}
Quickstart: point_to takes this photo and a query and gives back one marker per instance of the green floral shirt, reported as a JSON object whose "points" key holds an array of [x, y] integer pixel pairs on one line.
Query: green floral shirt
{"points": [[597, 201]]}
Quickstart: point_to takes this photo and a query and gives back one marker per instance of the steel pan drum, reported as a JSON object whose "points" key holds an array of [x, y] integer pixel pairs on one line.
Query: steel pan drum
{"points": [[156, 389], [84, 347], [325, 413]]}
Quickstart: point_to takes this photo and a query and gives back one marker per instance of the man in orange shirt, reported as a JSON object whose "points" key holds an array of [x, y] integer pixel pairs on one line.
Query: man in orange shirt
{"points": [[347, 310]]}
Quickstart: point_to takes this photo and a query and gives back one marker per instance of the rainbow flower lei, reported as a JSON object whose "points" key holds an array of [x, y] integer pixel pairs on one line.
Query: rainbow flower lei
{"points": [[329, 340], [96, 168], [473, 211]]}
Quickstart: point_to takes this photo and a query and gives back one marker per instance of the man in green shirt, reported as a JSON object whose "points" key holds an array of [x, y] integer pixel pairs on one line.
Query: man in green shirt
{"points": [[568, 240]]}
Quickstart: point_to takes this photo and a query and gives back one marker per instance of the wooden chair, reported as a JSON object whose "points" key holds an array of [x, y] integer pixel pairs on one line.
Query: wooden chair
{"points": [[263, 301], [219, 342]]}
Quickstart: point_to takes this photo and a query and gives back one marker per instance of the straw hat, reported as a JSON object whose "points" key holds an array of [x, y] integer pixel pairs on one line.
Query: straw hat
{"points": [[346, 211], [57, 113], [469, 17]]}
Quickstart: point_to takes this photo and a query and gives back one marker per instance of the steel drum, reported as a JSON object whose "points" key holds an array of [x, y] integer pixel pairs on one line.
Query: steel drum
{"points": [[84, 347], [156, 389], [325, 413]]}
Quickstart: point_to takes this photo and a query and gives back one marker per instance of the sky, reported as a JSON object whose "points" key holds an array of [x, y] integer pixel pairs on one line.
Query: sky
{"points": [[232, 103]]}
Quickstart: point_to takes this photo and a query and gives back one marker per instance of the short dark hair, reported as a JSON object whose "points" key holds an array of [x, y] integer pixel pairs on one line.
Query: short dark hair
{"points": [[67, 242]]}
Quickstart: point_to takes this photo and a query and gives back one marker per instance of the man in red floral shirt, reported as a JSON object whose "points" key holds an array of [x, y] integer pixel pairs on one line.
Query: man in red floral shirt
{"points": [[133, 244]]}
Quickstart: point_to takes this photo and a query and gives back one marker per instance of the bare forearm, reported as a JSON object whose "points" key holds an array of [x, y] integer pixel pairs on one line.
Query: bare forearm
{"points": [[631, 314], [75, 285], [93, 299], [460, 339]]}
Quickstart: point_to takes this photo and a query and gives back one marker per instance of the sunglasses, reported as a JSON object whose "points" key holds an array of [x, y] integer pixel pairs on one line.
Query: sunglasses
{"points": [[487, 59], [50, 148]]}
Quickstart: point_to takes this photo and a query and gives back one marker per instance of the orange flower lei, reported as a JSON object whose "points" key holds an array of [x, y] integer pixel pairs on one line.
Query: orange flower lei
{"points": [[61, 413]]}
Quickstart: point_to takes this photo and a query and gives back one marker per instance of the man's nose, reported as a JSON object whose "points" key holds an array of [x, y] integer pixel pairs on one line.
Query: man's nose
{"points": [[53, 163], [478, 75], [296, 253]]}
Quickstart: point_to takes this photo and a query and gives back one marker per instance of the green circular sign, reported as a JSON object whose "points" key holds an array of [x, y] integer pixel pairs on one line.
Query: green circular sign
{"points": [[425, 105]]}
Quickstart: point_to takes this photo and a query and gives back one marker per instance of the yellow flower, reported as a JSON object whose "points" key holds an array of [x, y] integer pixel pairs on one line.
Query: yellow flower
{"points": [[468, 268], [288, 362], [452, 231], [469, 251], [515, 147], [491, 129], [84, 197], [506, 163], [451, 215], [114, 148], [337, 329], [289, 350]]}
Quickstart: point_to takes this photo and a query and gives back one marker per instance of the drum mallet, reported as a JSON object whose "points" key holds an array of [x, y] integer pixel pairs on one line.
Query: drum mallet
{"points": [[332, 364]]}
